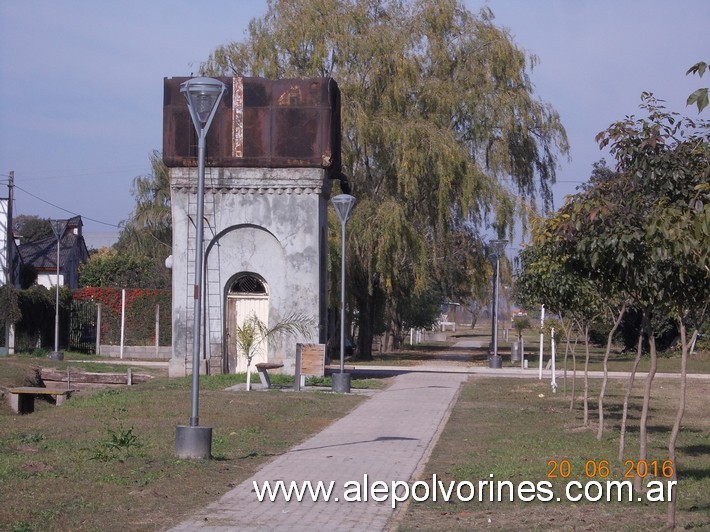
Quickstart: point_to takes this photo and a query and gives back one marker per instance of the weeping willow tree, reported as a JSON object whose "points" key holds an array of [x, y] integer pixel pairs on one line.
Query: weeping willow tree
{"points": [[148, 231], [145, 240], [443, 135]]}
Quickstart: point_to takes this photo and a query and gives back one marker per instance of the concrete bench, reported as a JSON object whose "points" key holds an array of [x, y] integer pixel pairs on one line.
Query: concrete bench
{"points": [[263, 369], [22, 399]]}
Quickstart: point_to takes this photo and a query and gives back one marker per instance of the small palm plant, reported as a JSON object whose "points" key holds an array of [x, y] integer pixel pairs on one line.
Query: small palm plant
{"points": [[253, 334]]}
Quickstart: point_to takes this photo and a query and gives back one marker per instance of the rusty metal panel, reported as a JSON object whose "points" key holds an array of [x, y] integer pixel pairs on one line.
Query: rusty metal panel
{"points": [[259, 123]]}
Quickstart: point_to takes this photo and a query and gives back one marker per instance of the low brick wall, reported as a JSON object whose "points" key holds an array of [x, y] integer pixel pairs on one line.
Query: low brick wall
{"points": [[137, 351]]}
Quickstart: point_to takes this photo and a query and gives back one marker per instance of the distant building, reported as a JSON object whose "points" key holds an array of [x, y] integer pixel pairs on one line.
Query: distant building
{"points": [[41, 256], [9, 269], [9, 256]]}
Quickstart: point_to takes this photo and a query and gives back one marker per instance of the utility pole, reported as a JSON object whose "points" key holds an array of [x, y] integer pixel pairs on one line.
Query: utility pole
{"points": [[9, 260], [10, 234]]}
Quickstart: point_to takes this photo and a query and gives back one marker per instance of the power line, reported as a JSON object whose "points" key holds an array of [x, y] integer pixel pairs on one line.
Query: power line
{"points": [[66, 210], [80, 175]]}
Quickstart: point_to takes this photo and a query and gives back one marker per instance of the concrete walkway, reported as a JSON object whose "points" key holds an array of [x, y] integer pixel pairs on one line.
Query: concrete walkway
{"points": [[387, 438]]}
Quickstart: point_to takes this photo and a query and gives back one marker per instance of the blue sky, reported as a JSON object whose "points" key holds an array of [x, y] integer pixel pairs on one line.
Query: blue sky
{"points": [[81, 82]]}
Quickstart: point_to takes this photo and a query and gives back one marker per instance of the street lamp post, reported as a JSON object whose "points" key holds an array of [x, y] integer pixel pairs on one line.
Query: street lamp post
{"points": [[343, 204], [203, 96], [497, 247], [58, 227]]}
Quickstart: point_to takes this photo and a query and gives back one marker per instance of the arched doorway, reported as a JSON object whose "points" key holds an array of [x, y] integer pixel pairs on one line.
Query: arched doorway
{"points": [[247, 295]]}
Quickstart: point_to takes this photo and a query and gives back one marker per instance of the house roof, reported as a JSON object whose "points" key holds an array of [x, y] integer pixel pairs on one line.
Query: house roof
{"points": [[42, 254]]}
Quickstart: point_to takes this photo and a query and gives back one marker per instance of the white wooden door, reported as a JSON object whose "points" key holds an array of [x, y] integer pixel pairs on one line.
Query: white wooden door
{"points": [[244, 300]]}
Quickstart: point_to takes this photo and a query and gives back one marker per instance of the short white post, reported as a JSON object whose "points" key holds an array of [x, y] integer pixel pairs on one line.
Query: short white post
{"points": [[553, 382], [157, 330], [123, 318], [98, 329], [542, 339]]}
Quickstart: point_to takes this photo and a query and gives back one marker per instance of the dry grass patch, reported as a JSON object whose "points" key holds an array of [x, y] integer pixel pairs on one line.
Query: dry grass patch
{"points": [[511, 428], [106, 460]]}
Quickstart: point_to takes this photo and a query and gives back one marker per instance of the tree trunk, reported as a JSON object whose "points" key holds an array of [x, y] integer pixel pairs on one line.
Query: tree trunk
{"points": [[643, 423], [586, 375], [248, 374], [629, 389], [366, 307], [564, 374], [605, 379], [574, 373], [396, 335], [670, 510]]}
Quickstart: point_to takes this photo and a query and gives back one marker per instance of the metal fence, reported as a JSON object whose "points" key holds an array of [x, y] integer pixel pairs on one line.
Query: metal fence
{"points": [[82, 326]]}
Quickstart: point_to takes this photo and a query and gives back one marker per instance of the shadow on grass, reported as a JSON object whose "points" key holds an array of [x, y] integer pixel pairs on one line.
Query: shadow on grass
{"points": [[695, 450], [693, 473], [661, 429], [449, 354]]}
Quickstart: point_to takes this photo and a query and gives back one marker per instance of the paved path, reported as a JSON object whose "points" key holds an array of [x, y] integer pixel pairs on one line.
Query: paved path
{"points": [[387, 438]]}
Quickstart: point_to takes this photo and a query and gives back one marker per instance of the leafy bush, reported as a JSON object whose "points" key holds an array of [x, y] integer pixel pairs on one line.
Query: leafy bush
{"points": [[35, 329], [140, 314]]}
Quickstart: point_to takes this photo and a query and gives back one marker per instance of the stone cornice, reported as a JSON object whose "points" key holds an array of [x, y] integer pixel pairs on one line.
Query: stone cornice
{"points": [[252, 180]]}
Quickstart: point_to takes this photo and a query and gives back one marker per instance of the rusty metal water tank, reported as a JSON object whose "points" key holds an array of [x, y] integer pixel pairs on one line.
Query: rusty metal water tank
{"points": [[259, 123]]}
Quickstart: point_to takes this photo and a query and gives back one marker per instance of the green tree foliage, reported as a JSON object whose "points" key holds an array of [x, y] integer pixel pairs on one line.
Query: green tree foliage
{"points": [[148, 231], [644, 228], [137, 260], [442, 132], [668, 157], [548, 275], [139, 314], [698, 97], [9, 309], [30, 227], [35, 328], [108, 268], [28, 276]]}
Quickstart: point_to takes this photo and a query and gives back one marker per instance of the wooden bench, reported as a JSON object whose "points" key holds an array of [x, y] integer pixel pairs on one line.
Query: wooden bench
{"points": [[263, 369], [22, 399]]}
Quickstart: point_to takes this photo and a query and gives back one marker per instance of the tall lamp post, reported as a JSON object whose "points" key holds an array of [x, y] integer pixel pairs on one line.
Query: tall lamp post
{"points": [[58, 227], [497, 247], [203, 96], [343, 204]]}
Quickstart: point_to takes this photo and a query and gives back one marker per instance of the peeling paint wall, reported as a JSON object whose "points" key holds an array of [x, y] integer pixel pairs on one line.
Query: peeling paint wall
{"points": [[270, 222]]}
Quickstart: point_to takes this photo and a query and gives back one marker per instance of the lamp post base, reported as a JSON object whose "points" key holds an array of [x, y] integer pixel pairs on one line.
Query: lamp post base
{"points": [[341, 382], [56, 355], [193, 442], [495, 361]]}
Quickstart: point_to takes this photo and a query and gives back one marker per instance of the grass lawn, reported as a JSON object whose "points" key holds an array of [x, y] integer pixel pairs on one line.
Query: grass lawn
{"points": [[513, 428], [105, 460], [446, 352]]}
